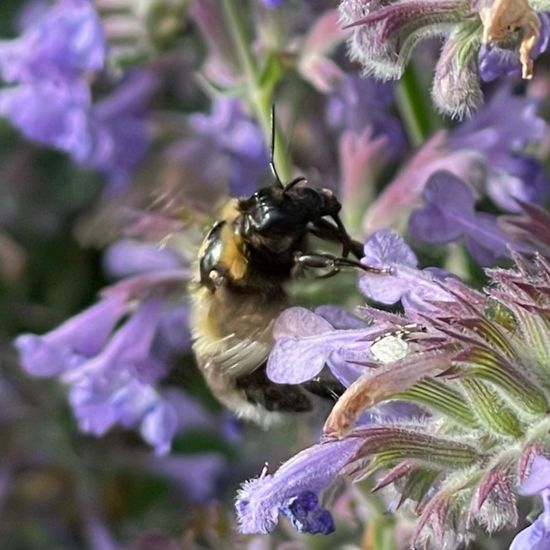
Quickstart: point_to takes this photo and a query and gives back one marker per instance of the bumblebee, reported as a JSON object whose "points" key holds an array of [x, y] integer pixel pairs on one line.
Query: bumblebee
{"points": [[260, 244]]}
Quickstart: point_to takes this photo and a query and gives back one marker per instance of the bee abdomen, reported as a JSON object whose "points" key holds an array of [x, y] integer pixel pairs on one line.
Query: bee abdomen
{"points": [[284, 398]]}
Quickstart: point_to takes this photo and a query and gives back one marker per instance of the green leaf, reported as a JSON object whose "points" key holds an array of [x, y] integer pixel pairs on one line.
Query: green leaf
{"points": [[491, 409], [439, 397]]}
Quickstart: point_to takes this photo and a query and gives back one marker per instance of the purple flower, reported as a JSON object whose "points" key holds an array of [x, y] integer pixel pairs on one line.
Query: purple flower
{"points": [[404, 281], [537, 535], [51, 101], [159, 426], [495, 133], [57, 47], [307, 516], [235, 137], [294, 490], [119, 131], [396, 201], [76, 340], [111, 136], [512, 178], [273, 4], [449, 215], [508, 123], [110, 373], [487, 151], [131, 257], [359, 103], [173, 338], [307, 341], [55, 116], [116, 385]]}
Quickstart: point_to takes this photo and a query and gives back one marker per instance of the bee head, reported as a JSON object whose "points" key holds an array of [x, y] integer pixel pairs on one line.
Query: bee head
{"points": [[273, 211]]}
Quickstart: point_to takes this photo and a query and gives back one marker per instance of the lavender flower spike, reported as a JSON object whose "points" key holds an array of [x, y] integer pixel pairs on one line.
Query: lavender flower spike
{"points": [[293, 490], [537, 535]]}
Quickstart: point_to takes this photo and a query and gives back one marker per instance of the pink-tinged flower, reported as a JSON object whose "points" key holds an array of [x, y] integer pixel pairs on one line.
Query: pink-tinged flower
{"points": [[314, 63], [361, 158], [396, 201], [384, 35], [489, 152], [222, 64]]}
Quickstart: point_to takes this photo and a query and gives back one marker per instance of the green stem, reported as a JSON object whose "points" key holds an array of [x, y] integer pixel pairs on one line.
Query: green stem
{"points": [[380, 526], [260, 97], [415, 112]]}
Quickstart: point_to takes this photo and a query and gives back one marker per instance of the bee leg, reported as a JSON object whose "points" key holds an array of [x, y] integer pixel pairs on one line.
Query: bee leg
{"points": [[326, 230], [344, 237], [333, 264], [260, 390], [327, 389]]}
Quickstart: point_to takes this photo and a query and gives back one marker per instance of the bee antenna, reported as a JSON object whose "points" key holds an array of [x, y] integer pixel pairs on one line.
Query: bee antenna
{"points": [[292, 183], [272, 152]]}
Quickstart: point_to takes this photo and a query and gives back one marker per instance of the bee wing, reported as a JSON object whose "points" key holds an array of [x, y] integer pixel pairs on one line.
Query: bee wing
{"points": [[242, 356]]}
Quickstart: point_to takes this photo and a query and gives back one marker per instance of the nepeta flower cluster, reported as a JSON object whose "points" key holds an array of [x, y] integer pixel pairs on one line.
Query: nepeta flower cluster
{"points": [[477, 362], [112, 355], [48, 97]]}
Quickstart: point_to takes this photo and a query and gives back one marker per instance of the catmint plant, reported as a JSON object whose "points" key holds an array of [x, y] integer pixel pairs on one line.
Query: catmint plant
{"points": [[129, 129]]}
